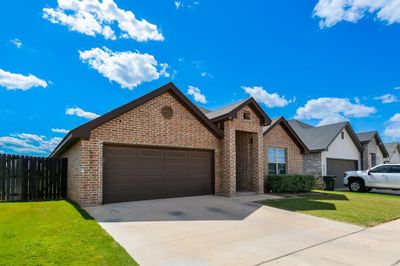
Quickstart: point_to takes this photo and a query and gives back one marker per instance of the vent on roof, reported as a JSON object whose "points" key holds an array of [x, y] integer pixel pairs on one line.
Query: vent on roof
{"points": [[167, 112]]}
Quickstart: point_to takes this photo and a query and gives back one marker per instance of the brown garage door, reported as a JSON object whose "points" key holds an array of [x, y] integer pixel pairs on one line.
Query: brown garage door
{"points": [[338, 167], [139, 173]]}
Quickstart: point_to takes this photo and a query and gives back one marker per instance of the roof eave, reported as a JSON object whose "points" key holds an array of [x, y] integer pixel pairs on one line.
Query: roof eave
{"points": [[69, 138], [303, 147], [264, 118], [84, 131]]}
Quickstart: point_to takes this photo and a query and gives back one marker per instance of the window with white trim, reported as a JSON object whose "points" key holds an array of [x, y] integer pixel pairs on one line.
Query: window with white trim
{"points": [[276, 161]]}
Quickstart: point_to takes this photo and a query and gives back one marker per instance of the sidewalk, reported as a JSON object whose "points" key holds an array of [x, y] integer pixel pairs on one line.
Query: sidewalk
{"points": [[375, 246]]}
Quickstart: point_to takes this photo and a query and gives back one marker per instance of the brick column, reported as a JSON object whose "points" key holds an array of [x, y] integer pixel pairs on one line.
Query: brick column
{"points": [[258, 162], [229, 159]]}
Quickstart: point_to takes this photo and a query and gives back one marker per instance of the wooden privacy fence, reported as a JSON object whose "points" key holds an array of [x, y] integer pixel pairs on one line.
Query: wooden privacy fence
{"points": [[32, 178]]}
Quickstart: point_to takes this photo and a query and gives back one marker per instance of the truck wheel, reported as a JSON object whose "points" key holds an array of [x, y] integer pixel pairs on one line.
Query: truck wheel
{"points": [[356, 186]]}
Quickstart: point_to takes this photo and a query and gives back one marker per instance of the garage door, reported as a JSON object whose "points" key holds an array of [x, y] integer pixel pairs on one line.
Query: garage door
{"points": [[338, 167], [139, 173]]}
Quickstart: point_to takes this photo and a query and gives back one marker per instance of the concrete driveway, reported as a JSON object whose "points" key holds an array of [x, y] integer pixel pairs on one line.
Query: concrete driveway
{"points": [[211, 230]]}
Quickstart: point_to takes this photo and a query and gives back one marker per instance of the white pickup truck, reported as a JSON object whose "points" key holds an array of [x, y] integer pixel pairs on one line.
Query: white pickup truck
{"points": [[383, 176]]}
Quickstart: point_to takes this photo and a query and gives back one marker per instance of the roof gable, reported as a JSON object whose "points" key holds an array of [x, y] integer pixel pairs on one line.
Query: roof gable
{"points": [[84, 131], [289, 130], [392, 146], [231, 111], [366, 137], [320, 138]]}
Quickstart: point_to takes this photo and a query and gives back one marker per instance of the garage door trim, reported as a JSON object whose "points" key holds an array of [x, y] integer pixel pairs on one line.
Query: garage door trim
{"points": [[212, 151]]}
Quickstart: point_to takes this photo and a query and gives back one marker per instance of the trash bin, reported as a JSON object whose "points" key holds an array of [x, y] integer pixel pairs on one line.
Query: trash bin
{"points": [[329, 182]]}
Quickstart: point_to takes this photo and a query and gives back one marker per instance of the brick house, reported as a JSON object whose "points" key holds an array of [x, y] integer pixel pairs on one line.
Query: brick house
{"points": [[374, 151], [334, 149], [162, 145], [284, 148]]}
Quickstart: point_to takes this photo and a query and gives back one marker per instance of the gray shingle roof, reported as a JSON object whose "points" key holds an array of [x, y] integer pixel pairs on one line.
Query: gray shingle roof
{"points": [[224, 110], [366, 136], [317, 138]]}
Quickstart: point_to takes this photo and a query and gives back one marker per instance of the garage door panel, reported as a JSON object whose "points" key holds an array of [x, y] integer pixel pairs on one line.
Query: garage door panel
{"points": [[200, 154], [118, 151], [176, 154], [149, 153], [337, 167], [138, 173], [135, 180]]}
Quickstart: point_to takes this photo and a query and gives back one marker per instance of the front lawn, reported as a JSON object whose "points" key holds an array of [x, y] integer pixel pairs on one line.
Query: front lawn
{"points": [[55, 233], [365, 209]]}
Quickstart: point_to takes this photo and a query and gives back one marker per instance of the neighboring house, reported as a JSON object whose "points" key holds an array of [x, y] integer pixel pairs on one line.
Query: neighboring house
{"points": [[284, 149], [393, 149], [374, 150], [333, 148], [161, 145]]}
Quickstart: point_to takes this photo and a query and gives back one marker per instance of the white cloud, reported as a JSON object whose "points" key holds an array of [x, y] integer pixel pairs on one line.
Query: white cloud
{"points": [[387, 98], [16, 42], [93, 17], [392, 129], [81, 113], [13, 81], [269, 99], [197, 95], [60, 130], [178, 4], [333, 110], [29, 143], [332, 12], [129, 69], [395, 118], [397, 88], [189, 4]]}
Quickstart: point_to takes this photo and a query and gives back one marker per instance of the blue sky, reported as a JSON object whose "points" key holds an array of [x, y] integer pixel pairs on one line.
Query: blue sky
{"points": [[63, 63]]}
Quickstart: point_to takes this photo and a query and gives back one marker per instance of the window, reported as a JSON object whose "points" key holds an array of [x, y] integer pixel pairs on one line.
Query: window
{"points": [[373, 159], [381, 169], [276, 161], [246, 115], [395, 169], [342, 135]]}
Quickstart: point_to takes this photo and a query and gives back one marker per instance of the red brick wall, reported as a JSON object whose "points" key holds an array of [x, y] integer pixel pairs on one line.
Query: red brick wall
{"points": [[143, 125], [74, 155], [278, 137], [229, 151]]}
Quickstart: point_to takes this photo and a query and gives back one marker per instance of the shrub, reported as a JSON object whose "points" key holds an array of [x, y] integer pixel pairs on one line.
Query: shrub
{"points": [[289, 183]]}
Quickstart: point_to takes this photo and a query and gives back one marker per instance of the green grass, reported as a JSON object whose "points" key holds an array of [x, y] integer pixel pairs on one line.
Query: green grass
{"points": [[365, 209], [55, 233]]}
